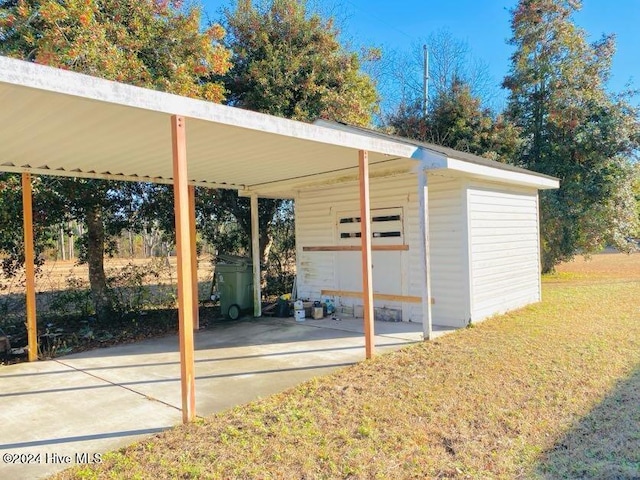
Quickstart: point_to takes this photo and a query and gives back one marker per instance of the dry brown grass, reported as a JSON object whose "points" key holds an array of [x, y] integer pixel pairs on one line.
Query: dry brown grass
{"points": [[550, 391]]}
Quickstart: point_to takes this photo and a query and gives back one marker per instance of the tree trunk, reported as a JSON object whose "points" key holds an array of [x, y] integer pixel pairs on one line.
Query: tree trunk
{"points": [[266, 242], [95, 260]]}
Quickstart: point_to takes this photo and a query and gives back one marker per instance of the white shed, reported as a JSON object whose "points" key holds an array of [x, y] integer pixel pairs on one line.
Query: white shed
{"points": [[480, 247]]}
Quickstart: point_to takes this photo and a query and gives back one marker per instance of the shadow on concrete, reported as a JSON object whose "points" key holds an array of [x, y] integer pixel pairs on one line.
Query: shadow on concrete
{"points": [[173, 379], [81, 438], [201, 361], [605, 444]]}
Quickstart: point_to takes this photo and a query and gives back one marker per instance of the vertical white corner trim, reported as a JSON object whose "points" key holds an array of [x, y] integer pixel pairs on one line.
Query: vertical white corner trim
{"points": [[539, 249], [466, 253], [255, 254], [423, 202], [365, 242]]}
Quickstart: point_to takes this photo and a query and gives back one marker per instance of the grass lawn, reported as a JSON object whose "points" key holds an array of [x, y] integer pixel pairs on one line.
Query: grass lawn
{"points": [[549, 391]]}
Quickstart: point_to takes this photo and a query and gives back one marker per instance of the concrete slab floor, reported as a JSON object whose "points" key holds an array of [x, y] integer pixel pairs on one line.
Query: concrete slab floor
{"points": [[61, 412]]}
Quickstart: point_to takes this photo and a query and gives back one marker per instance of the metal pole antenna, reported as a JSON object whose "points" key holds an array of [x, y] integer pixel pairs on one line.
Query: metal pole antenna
{"points": [[425, 81]]}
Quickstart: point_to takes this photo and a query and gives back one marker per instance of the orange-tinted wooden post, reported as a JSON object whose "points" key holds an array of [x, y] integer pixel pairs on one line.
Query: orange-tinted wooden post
{"points": [[185, 285], [365, 238], [29, 267], [194, 256]]}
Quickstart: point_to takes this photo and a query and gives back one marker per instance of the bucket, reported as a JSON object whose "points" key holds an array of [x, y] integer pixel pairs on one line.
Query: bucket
{"points": [[299, 314]]}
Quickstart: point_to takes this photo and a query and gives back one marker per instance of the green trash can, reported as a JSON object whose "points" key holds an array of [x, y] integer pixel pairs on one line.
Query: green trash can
{"points": [[234, 278]]}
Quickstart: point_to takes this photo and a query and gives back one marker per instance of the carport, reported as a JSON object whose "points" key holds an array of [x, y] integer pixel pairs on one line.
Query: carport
{"points": [[57, 122]]}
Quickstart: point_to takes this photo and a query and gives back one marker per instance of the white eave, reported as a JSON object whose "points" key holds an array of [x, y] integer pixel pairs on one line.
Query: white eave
{"points": [[435, 158], [434, 162]]}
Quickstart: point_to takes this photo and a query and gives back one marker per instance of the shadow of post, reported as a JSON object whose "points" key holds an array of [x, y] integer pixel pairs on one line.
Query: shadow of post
{"points": [[605, 444]]}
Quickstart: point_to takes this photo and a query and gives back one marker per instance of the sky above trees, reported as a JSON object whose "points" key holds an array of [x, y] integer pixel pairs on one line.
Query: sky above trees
{"points": [[484, 25]]}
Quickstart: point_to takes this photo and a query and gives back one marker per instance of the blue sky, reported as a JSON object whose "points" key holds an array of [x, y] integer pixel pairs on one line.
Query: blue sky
{"points": [[483, 24]]}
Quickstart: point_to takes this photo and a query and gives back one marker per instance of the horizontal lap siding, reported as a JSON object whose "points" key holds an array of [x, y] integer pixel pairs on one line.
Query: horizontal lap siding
{"points": [[504, 251], [315, 211], [447, 252]]}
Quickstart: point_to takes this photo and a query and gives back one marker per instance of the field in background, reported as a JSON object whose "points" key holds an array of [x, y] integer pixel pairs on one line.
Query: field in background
{"points": [[54, 273], [143, 292], [549, 391], [600, 268]]}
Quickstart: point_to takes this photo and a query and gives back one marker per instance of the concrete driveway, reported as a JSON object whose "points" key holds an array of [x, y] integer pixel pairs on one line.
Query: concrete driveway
{"points": [[57, 413]]}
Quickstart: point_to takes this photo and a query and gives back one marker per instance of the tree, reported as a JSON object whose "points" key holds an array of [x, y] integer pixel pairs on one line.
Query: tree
{"points": [[11, 228], [148, 43], [572, 129], [288, 62], [451, 62], [457, 120]]}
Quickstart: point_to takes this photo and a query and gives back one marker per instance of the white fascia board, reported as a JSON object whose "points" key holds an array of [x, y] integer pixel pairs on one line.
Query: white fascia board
{"points": [[44, 78], [434, 161], [500, 175]]}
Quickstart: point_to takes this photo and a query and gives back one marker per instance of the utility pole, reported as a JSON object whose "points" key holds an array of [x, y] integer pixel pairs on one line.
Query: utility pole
{"points": [[425, 81]]}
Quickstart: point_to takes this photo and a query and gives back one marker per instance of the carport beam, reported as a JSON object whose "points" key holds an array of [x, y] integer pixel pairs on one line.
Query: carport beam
{"points": [[365, 239], [255, 253], [29, 267], [184, 253], [194, 255]]}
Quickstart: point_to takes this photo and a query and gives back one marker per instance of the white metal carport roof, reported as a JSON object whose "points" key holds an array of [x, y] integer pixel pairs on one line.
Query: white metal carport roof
{"points": [[58, 122]]}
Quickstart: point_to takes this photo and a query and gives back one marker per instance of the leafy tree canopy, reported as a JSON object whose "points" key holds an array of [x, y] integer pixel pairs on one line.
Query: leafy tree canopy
{"points": [[572, 129], [287, 61], [457, 120], [148, 43]]}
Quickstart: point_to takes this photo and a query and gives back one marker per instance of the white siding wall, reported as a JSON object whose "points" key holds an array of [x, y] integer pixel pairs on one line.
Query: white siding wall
{"points": [[316, 212], [504, 249], [484, 246], [448, 251]]}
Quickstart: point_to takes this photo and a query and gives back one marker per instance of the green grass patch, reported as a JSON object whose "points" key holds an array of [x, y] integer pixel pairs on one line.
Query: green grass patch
{"points": [[549, 391]]}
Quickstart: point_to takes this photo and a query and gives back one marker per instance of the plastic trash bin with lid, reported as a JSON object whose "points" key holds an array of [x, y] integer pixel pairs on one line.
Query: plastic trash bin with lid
{"points": [[234, 278]]}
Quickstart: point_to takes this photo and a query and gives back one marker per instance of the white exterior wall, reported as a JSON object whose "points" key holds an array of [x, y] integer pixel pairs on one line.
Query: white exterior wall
{"points": [[484, 246], [504, 248], [448, 251], [317, 211]]}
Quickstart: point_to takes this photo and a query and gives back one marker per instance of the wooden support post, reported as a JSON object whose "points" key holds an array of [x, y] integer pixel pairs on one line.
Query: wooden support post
{"points": [[255, 254], [29, 267], [365, 239], [425, 260], [194, 256], [185, 285]]}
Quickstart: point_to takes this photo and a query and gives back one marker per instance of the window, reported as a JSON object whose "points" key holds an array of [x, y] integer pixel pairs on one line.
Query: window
{"points": [[385, 223]]}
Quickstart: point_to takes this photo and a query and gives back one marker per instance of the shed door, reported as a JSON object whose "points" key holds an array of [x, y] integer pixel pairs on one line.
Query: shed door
{"points": [[386, 229]]}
